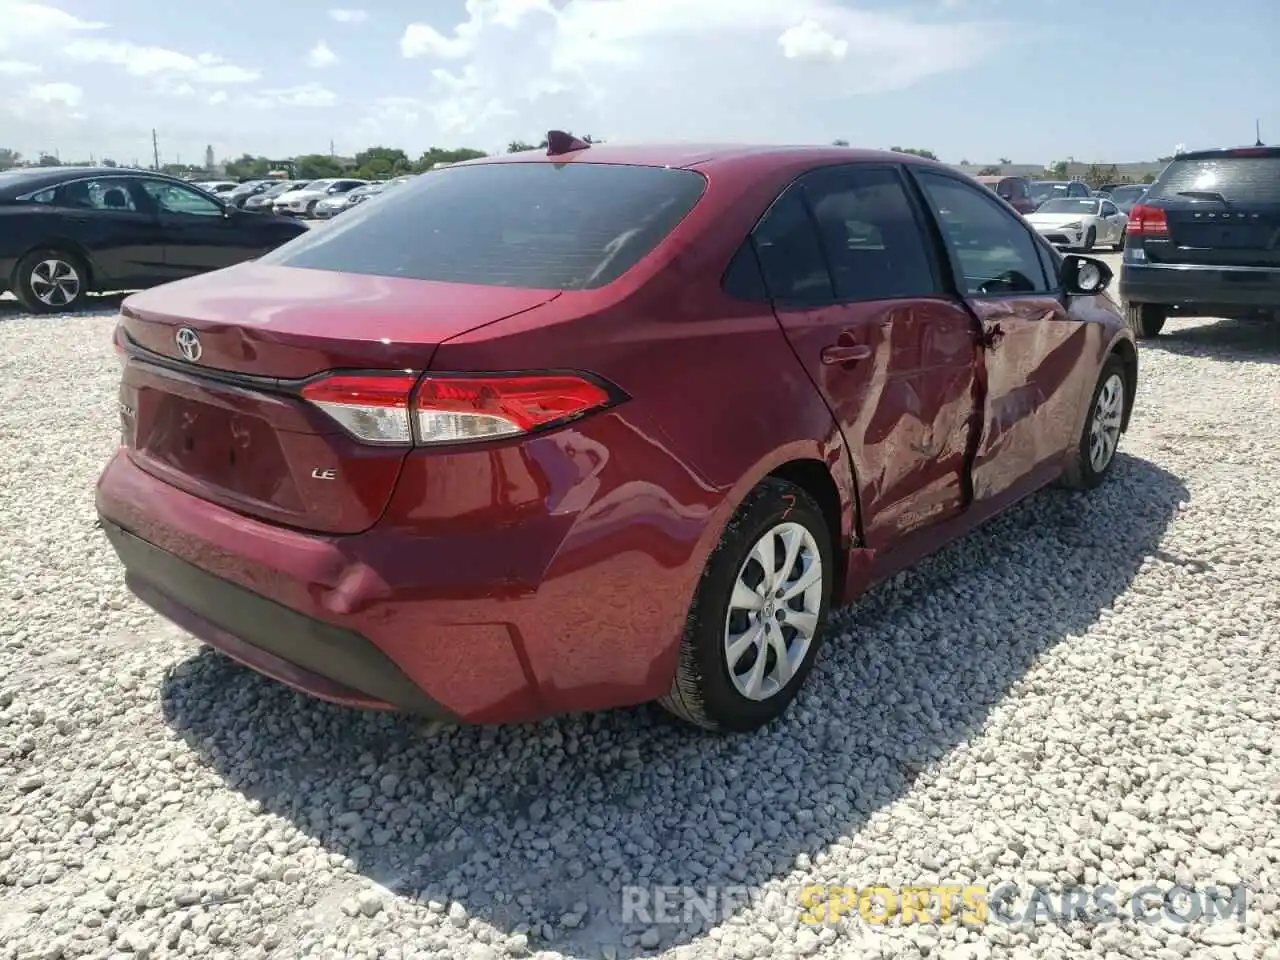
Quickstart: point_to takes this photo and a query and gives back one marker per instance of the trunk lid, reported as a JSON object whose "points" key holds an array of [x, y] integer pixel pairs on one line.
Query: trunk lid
{"points": [[231, 428]]}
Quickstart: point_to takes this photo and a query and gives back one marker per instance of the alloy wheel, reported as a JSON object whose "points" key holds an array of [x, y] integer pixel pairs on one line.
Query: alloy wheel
{"points": [[1104, 429], [55, 283], [773, 612]]}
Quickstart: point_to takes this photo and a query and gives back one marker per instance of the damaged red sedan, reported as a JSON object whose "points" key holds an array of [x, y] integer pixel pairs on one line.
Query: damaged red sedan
{"points": [[599, 425]]}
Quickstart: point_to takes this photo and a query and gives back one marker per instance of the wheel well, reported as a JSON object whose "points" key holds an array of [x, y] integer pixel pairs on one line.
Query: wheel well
{"points": [[1129, 361], [814, 478]]}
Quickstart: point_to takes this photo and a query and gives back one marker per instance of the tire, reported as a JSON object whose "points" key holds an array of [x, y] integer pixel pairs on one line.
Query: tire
{"points": [[707, 692], [51, 281], [1103, 423], [311, 208], [1090, 238], [1146, 320], [1124, 235]]}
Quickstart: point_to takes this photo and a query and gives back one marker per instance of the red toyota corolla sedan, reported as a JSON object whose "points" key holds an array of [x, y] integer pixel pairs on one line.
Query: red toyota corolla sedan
{"points": [[576, 429]]}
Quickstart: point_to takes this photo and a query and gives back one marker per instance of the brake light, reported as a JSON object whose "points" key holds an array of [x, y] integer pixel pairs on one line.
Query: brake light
{"points": [[1145, 221], [453, 408]]}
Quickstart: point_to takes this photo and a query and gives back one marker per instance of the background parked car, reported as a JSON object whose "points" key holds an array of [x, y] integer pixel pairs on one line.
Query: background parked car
{"points": [[68, 231], [1127, 195], [330, 207], [250, 188], [1042, 190], [302, 202], [261, 202], [217, 187], [1081, 222], [1203, 242], [1016, 190]]}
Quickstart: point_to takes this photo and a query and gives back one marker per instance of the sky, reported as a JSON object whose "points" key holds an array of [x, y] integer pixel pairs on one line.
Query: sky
{"points": [[1033, 81]]}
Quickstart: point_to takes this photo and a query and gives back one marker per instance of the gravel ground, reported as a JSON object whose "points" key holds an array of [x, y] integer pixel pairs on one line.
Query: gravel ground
{"points": [[1085, 692]]}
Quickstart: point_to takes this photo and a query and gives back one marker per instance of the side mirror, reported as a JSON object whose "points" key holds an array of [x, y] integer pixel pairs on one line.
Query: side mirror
{"points": [[1084, 276]]}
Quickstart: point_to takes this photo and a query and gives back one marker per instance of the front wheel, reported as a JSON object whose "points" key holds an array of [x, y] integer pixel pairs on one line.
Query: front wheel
{"points": [[51, 281], [1090, 238], [1095, 452], [311, 208], [755, 624], [1124, 234]]}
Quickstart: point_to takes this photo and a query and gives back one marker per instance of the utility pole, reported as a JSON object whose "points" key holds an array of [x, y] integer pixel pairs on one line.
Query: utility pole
{"points": [[332, 153], [1257, 129], [155, 149]]}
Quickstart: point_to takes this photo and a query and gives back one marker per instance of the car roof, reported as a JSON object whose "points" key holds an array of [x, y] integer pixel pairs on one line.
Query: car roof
{"points": [[22, 180], [705, 156]]}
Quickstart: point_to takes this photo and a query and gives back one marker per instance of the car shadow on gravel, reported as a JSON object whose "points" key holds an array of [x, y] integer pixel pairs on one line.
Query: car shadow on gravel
{"points": [[1253, 340], [537, 828]]}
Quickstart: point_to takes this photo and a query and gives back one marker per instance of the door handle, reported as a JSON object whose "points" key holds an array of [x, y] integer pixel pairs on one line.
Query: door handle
{"points": [[845, 353]]}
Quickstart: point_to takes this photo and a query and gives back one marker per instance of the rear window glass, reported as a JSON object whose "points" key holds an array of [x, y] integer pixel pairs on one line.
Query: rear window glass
{"points": [[1236, 178], [574, 226]]}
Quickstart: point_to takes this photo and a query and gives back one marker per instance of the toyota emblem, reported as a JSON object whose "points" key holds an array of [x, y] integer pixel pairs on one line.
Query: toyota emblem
{"points": [[189, 343]]}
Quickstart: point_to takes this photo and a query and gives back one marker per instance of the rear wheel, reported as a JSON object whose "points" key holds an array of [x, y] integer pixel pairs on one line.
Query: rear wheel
{"points": [[51, 281], [1146, 320], [1090, 238], [1095, 453], [755, 625]]}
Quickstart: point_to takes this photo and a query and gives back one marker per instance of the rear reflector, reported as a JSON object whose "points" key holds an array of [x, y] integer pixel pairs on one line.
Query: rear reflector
{"points": [[1145, 221], [385, 409]]}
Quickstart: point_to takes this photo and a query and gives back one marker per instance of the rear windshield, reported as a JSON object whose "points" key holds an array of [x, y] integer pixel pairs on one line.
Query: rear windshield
{"points": [[1043, 189], [1081, 205], [574, 226], [1245, 179], [1125, 194]]}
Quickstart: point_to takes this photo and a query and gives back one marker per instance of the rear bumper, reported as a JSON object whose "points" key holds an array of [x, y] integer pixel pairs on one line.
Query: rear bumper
{"points": [[324, 660], [1201, 290], [488, 622]]}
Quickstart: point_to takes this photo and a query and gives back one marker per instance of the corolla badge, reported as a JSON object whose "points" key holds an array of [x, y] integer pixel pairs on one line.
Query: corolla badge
{"points": [[189, 343]]}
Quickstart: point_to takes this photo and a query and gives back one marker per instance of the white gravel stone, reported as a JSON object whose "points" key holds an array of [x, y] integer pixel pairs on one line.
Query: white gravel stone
{"points": [[1086, 691]]}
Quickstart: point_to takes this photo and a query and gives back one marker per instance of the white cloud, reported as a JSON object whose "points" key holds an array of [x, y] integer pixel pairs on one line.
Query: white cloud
{"points": [[321, 56], [715, 69], [64, 94], [158, 62], [17, 68], [305, 95], [217, 97], [21, 23], [349, 16], [809, 41]]}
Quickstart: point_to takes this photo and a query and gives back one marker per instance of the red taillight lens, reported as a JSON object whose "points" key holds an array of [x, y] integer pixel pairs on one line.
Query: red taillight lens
{"points": [[1147, 221], [372, 407], [451, 408]]}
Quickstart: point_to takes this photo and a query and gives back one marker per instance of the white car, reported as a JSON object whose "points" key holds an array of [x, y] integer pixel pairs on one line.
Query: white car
{"points": [[302, 202], [217, 187], [1080, 222]]}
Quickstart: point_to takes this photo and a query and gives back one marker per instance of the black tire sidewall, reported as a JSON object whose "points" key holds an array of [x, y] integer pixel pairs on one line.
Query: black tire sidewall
{"points": [[1090, 238], [1090, 478], [22, 286], [768, 507]]}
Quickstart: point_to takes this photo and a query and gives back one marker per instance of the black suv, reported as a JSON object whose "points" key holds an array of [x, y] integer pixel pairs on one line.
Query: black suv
{"points": [[1205, 240]]}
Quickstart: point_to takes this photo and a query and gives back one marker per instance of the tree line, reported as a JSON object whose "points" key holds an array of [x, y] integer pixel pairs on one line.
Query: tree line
{"points": [[372, 163], [379, 163]]}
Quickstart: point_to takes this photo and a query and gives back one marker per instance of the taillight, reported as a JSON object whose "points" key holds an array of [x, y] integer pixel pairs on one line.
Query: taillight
{"points": [[373, 407], [1145, 221], [453, 408]]}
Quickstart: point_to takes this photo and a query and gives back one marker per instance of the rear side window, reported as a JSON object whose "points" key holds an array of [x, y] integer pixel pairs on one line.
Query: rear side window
{"points": [[573, 226], [873, 242], [1244, 179], [795, 270]]}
